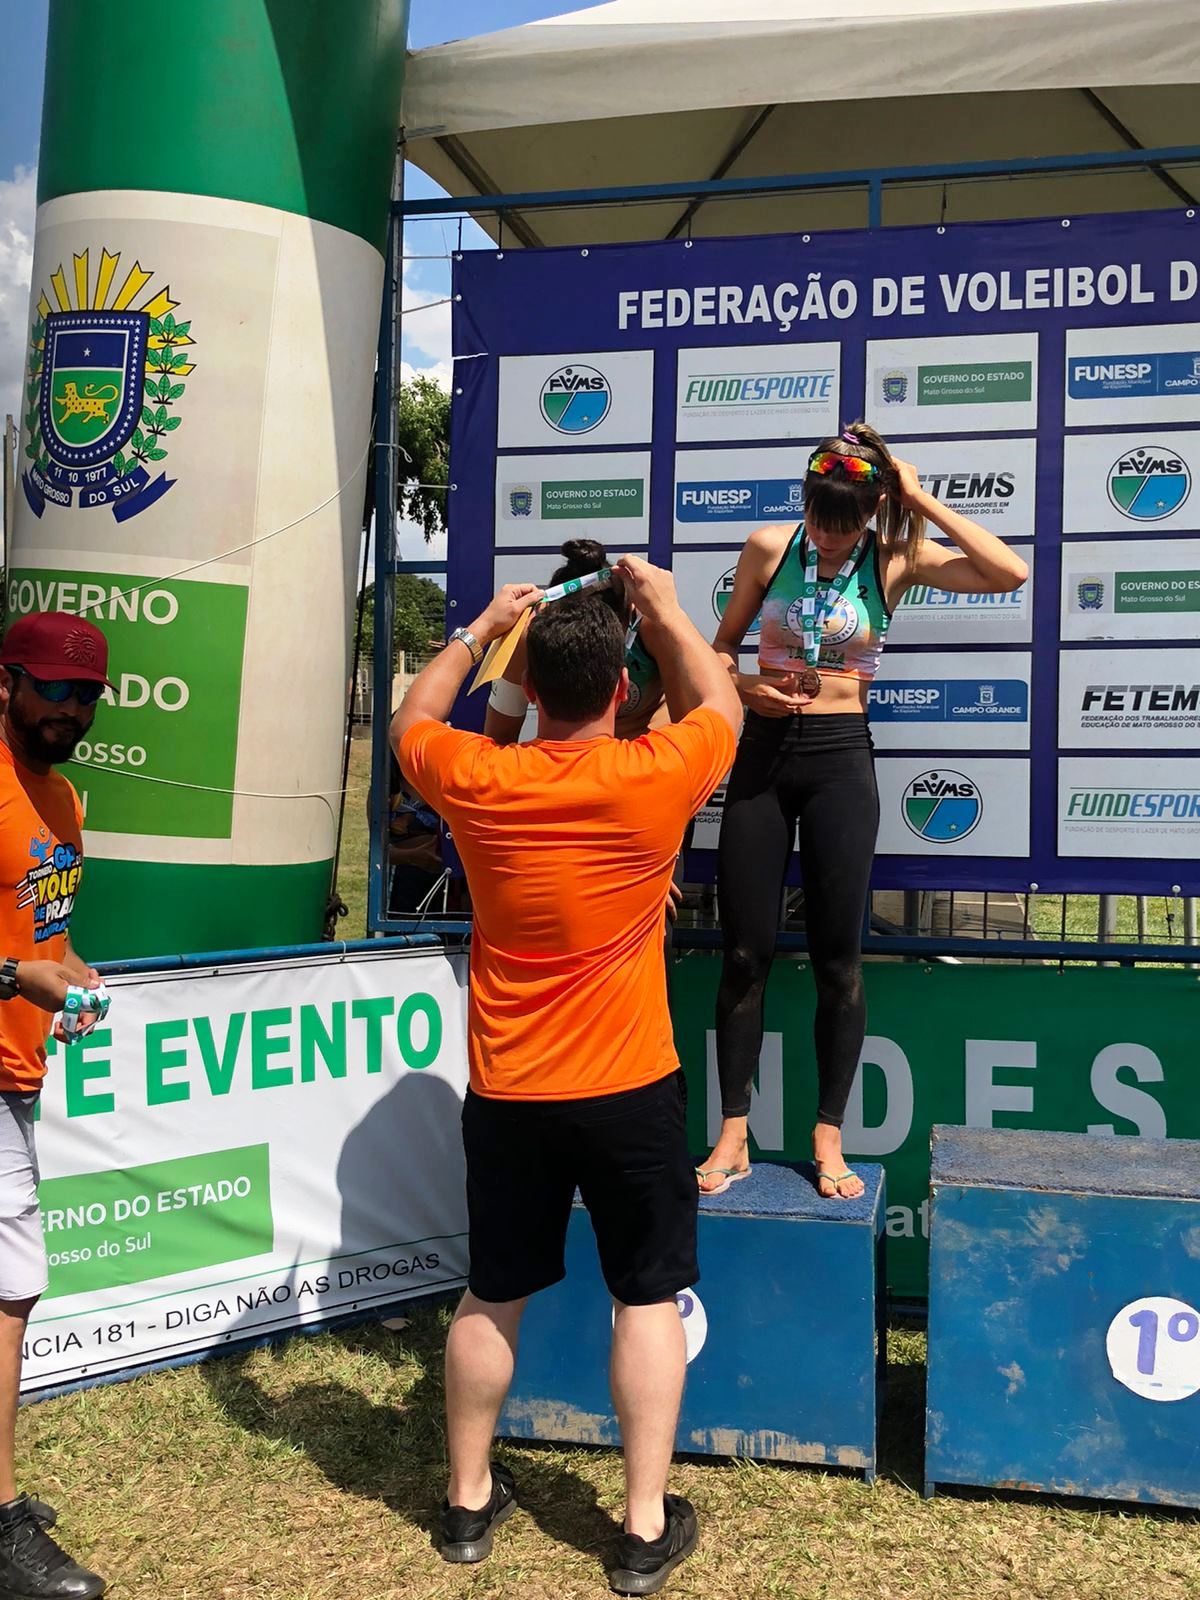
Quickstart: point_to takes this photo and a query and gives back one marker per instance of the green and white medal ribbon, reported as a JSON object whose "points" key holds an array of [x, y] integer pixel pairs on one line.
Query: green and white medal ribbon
{"points": [[816, 607]]}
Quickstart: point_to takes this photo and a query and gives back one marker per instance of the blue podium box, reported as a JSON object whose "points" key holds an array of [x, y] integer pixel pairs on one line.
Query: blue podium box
{"points": [[1064, 1315], [786, 1343]]}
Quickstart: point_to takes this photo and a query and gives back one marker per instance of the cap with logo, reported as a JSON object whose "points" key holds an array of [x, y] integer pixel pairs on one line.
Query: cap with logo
{"points": [[55, 644]]}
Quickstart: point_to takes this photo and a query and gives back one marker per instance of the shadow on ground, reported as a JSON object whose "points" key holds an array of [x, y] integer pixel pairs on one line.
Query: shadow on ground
{"points": [[396, 1452]]}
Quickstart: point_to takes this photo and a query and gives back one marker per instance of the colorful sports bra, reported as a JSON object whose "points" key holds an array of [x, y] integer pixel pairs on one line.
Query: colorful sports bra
{"points": [[645, 681], [854, 633]]}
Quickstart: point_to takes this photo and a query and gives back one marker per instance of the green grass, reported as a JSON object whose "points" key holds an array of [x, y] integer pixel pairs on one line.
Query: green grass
{"points": [[352, 870], [310, 1471], [1164, 918]]}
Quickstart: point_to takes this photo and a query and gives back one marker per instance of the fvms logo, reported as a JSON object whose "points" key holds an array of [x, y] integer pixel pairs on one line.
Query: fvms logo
{"points": [[721, 596], [576, 399], [941, 806], [1149, 483]]}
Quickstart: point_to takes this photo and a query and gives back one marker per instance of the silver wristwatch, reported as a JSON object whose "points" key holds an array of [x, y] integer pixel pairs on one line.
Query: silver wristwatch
{"points": [[8, 979], [471, 642]]}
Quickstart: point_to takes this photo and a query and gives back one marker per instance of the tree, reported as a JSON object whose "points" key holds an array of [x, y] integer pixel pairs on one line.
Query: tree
{"points": [[420, 617], [423, 466]]}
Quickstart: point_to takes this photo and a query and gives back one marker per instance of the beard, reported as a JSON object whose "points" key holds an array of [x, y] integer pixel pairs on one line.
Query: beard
{"points": [[50, 739]]}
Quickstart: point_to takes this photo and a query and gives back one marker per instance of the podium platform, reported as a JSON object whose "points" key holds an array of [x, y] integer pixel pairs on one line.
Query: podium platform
{"points": [[786, 1343], [1064, 1315]]}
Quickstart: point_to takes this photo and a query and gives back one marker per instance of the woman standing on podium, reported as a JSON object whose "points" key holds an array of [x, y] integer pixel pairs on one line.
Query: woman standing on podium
{"points": [[826, 589]]}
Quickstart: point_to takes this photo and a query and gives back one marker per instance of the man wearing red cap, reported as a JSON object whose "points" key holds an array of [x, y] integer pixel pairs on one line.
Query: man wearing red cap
{"points": [[52, 673]]}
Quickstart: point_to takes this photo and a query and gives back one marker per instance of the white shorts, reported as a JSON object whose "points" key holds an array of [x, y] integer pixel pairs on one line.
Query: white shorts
{"points": [[23, 1271]]}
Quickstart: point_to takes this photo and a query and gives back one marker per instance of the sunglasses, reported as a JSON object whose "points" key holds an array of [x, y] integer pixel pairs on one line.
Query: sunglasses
{"points": [[854, 467], [60, 690]]}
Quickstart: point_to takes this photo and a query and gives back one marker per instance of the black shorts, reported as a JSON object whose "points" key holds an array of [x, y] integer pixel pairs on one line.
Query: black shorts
{"points": [[626, 1153]]}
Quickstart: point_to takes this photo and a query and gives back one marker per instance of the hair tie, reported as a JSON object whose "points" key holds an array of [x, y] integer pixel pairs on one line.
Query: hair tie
{"points": [[850, 436]]}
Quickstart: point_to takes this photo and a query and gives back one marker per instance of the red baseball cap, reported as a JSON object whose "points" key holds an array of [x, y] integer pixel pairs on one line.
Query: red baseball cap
{"points": [[54, 644]]}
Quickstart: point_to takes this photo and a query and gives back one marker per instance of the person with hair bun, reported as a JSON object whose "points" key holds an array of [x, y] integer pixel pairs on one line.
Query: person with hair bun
{"points": [[645, 707], [826, 589]]}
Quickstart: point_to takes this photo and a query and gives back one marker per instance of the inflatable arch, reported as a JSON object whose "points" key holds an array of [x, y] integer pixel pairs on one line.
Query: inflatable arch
{"points": [[213, 196]]}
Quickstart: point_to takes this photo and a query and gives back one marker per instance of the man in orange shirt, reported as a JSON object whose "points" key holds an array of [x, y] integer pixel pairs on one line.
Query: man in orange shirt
{"points": [[569, 844], [52, 673]]}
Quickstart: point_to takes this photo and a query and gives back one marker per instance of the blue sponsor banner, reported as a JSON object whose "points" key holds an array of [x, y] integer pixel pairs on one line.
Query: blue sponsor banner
{"points": [[1132, 376], [721, 501], [954, 700], [777, 299]]}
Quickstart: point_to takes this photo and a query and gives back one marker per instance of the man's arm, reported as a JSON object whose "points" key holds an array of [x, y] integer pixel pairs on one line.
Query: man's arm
{"points": [[692, 673], [435, 689]]}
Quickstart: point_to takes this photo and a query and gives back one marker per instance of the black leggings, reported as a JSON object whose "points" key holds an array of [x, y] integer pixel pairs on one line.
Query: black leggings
{"points": [[816, 772]]}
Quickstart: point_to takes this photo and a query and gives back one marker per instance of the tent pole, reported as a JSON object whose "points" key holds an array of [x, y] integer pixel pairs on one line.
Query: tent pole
{"points": [[875, 203], [1134, 143], [735, 150]]}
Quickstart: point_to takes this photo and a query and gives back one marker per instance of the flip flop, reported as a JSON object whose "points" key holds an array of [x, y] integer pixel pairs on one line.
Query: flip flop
{"points": [[835, 1180], [730, 1174]]}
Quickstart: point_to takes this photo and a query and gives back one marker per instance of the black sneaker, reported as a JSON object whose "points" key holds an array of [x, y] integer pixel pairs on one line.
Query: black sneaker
{"points": [[644, 1565], [467, 1535], [32, 1565]]}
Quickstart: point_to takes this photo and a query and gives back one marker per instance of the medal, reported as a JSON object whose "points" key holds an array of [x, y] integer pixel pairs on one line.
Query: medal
{"points": [[816, 607]]}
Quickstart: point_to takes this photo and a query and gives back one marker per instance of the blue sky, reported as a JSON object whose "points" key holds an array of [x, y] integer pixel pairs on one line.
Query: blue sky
{"points": [[431, 22], [21, 71]]}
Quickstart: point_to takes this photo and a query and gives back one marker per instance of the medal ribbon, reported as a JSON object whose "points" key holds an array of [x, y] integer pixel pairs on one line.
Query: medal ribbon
{"points": [[815, 606]]}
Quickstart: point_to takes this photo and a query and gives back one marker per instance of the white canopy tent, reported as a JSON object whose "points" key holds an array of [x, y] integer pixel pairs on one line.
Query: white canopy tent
{"points": [[681, 91]]}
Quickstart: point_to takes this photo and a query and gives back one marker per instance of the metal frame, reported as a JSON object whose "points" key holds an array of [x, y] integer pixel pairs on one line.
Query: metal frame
{"points": [[874, 181]]}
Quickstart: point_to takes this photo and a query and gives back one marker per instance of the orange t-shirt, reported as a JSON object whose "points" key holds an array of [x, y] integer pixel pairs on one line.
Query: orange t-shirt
{"points": [[41, 863], [568, 847]]}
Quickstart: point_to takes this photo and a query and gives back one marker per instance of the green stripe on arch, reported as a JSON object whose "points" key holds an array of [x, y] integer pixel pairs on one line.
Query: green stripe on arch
{"points": [[129, 909], [286, 103]]}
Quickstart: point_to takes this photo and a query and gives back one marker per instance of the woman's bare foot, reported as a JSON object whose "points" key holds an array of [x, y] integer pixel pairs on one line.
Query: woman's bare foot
{"points": [[731, 1151], [831, 1164]]}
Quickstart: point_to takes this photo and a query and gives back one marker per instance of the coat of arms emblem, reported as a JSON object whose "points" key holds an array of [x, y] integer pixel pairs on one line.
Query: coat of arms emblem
{"points": [[103, 381], [1091, 594]]}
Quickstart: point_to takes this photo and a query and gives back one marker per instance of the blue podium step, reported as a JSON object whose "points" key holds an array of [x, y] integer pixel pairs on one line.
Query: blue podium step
{"points": [[1064, 1315], [785, 1334]]}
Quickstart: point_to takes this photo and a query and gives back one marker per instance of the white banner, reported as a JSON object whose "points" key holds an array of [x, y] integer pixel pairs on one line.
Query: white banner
{"points": [[1128, 699], [1109, 593], [759, 391], [1119, 376], [242, 1151], [542, 500], [951, 701], [1130, 483], [969, 807], [721, 496], [977, 384], [597, 398], [992, 481], [939, 616], [704, 583], [1129, 807]]}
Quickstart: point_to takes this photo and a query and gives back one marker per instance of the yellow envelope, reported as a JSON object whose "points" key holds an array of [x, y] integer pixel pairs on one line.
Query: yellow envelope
{"points": [[500, 651]]}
